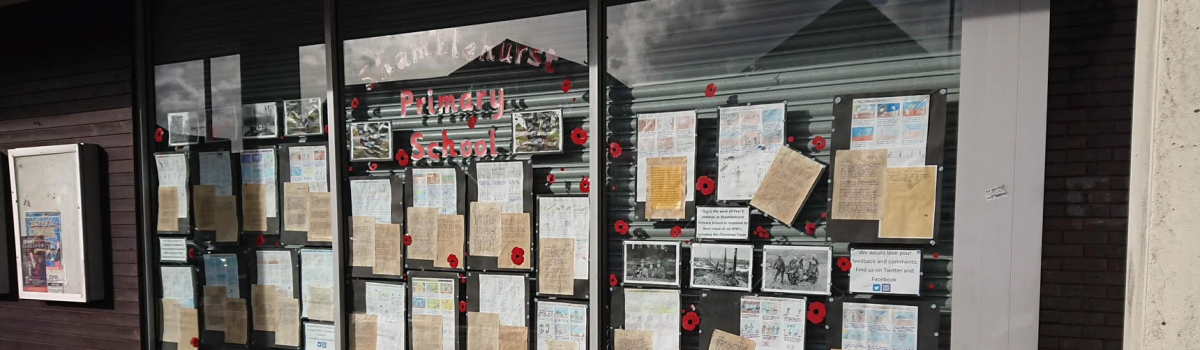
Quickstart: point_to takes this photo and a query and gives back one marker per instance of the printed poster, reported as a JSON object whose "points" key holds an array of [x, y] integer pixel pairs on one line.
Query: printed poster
{"points": [[502, 182], [749, 138], [308, 166], [372, 197], [562, 322], [774, 323], [898, 124], [436, 297], [876, 326], [173, 172], [666, 135], [436, 188], [258, 167], [222, 270], [41, 253]]}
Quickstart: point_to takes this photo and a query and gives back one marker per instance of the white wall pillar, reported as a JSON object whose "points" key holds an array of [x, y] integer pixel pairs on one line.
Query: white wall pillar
{"points": [[1162, 298]]}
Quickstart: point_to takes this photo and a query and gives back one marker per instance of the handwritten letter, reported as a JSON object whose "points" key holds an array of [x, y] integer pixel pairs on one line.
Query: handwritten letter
{"points": [[485, 228], [515, 235], [450, 239], [168, 208], [254, 207], [787, 185], [627, 339], [426, 331], [225, 216], [909, 203], [858, 181], [556, 257], [722, 340], [666, 192], [235, 321], [389, 250], [202, 200], [320, 216], [295, 206], [422, 227], [363, 241], [483, 331]]}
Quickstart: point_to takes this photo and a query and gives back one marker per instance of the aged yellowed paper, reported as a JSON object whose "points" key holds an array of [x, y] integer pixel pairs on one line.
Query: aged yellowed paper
{"points": [[665, 195], [485, 228], [202, 202], [628, 339], [556, 257], [389, 250], [515, 228], [450, 240], [786, 186], [909, 203], [168, 209], [722, 340], [225, 215], [483, 331], [320, 216], [422, 227], [295, 206], [362, 238], [859, 177], [254, 207]]}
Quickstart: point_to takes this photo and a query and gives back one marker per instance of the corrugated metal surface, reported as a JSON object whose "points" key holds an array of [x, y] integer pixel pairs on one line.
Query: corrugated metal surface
{"points": [[852, 48]]}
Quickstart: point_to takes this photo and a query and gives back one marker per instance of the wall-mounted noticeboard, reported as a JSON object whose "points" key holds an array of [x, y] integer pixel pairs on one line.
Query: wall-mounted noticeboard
{"points": [[58, 221]]}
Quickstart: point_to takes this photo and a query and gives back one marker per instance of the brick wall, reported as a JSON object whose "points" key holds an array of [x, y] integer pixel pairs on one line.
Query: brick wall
{"points": [[1087, 173]]}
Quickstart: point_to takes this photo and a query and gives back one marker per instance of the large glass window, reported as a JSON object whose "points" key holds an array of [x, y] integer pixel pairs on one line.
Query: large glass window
{"points": [[243, 233], [781, 172], [468, 140]]}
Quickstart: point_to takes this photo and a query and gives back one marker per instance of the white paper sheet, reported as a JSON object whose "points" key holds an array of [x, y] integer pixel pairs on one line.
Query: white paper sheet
{"points": [[387, 301], [567, 217], [898, 124], [562, 322], [214, 170], [885, 271], [501, 182], [876, 326], [177, 285], [172, 249], [436, 296], [308, 165], [318, 336], [316, 272], [662, 135], [749, 138], [258, 167], [774, 323], [655, 310], [503, 295], [723, 222], [372, 198], [275, 269], [436, 188], [173, 172], [222, 270]]}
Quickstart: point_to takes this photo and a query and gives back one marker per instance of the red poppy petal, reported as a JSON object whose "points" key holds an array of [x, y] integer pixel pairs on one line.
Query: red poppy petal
{"points": [[819, 143], [462, 306], [566, 85], [372, 166], [791, 139], [550, 178], [710, 90], [936, 255], [612, 280], [158, 135]]}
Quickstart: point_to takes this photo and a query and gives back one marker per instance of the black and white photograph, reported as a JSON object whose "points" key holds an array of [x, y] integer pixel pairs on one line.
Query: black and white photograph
{"points": [[370, 141], [185, 128], [302, 117], [722, 266], [796, 269], [260, 121], [652, 263], [537, 131]]}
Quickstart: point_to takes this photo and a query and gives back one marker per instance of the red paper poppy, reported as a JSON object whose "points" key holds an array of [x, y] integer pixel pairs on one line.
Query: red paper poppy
{"points": [[550, 178], [710, 90], [372, 166], [819, 143], [402, 157], [612, 280], [472, 121], [462, 306], [260, 240], [326, 128], [622, 227], [518, 256], [705, 185], [614, 149], [191, 253], [676, 231], [936, 255], [350, 168], [844, 264], [931, 286], [566, 85], [810, 228], [195, 342], [791, 139], [158, 135], [585, 185], [816, 312], [579, 136], [690, 321], [824, 215], [354, 103], [407, 240], [452, 260], [762, 232]]}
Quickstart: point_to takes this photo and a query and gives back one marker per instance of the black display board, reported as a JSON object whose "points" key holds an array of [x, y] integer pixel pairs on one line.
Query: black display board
{"points": [[928, 320], [217, 338], [285, 176], [581, 290], [397, 211], [235, 178], [491, 263], [461, 195], [460, 332], [263, 338], [867, 231], [474, 298]]}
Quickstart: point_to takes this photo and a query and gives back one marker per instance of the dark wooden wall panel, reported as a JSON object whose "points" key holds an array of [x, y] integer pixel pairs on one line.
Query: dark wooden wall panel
{"points": [[70, 81]]}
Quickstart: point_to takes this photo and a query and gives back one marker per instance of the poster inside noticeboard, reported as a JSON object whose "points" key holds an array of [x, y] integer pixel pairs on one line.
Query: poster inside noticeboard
{"points": [[886, 171], [435, 201], [380, 197], [174, 181], [856, 323], [304, 176], [501, 216]]}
